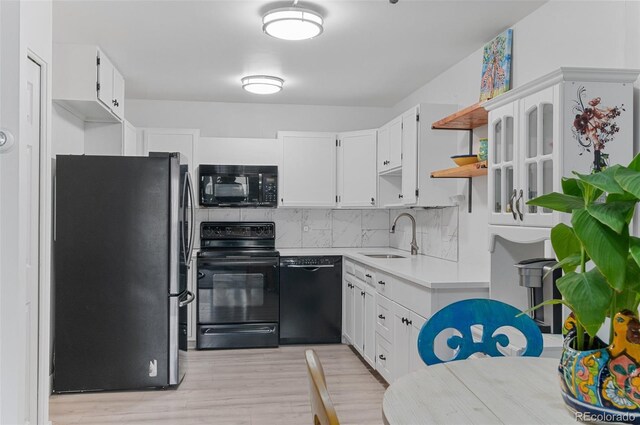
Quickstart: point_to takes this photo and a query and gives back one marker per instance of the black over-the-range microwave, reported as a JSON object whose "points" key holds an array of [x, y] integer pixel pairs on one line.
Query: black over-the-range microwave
{"points": [[239, 186]]}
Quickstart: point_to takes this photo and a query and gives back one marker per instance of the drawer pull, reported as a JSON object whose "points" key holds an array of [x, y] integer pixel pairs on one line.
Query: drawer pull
{"points": [[382, 357], [367, 275], [380, 316], [381, 282]]}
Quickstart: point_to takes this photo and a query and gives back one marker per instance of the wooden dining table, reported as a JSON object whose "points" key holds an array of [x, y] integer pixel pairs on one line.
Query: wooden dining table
{"points": [[495, 390]]}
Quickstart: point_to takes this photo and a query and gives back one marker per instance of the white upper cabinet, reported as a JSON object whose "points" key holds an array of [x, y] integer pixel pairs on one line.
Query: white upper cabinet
{"points": [[395, 143], [538, 132], [184, 141], [86, 83], [383, 148], [357, 176], [502, 176], [105, 80], [409, 127], [419, 150], [118, 94], [569, 120], [308, 172], [390, 146]]}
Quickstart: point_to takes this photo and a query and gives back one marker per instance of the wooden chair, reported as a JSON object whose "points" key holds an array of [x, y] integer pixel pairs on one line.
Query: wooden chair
{"points": [[462, 315], [321, 405]]}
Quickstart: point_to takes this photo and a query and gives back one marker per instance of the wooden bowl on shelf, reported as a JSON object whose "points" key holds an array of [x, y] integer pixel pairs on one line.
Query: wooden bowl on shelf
{"points": [[467, 159]]}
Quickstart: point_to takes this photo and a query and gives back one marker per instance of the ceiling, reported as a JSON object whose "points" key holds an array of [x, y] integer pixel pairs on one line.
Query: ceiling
{"points": [[372, 53]]}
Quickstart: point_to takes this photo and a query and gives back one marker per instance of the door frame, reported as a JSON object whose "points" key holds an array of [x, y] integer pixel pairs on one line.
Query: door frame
{"points": [[45, 240]]}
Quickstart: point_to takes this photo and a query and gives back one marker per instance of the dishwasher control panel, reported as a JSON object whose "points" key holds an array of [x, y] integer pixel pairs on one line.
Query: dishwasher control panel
{"points": [[309, 261]]}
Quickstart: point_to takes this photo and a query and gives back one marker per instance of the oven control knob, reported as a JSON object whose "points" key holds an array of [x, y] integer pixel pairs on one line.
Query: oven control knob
{"points": [[259, 230], [217, 231]]}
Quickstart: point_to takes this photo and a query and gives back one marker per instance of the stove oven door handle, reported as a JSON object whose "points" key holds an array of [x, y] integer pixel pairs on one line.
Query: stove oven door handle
{"points": [[213, 263]]}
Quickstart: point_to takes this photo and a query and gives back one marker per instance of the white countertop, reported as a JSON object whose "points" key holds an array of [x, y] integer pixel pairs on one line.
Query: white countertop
{"points": [[426, 271]]}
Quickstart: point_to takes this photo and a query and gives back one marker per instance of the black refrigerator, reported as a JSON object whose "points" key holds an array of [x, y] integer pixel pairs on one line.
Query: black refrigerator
{"points": [[123, 238]]}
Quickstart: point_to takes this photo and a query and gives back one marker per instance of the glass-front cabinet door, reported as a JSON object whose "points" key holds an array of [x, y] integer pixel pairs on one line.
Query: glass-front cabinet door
{"points": [[503, 171], [538, 137]]}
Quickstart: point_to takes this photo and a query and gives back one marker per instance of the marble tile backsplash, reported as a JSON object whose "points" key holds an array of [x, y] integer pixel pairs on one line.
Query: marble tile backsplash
{"points": [[437, 228], [436, 232], [312, 228]]}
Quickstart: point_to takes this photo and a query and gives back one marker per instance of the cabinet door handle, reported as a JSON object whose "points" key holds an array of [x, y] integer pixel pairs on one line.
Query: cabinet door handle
{"points": [[400, 195], [409, 322], [373, 201], [381, 282], [518, 205], [511, 198], [362, 293], [380, 316], [404, 320], [382, 357], [367, 275]]}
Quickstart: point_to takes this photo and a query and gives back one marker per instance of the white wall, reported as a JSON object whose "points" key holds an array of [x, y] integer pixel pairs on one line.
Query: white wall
{"points": [[246, 151], [215, 119], [560, 33]]}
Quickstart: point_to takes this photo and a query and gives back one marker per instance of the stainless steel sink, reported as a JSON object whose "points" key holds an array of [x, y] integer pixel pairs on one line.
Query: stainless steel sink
{"points": [[383, 256]]}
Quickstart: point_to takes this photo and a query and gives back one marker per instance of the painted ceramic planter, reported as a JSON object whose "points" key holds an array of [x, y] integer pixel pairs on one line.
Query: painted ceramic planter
{"points": [[603, 384]]}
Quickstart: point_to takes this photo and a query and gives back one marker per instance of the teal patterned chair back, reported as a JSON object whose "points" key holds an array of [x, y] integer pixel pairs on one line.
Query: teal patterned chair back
{"points": [[462, 315]]}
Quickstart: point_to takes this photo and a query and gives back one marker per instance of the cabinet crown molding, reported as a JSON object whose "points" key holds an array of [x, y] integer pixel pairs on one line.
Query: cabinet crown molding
{"points": [[609, 75]]}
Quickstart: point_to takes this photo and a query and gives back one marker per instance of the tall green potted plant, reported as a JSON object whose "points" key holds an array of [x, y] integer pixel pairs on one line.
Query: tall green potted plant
{"points": [[601, 264]]}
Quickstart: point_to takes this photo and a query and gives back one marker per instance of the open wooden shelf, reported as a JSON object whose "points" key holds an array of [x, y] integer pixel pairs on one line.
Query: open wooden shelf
{"points": [[466, 171], [465, 119]]}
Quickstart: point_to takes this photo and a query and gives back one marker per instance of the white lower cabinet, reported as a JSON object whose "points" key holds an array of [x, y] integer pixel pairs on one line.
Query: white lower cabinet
{"points": [[383, 316], [359, 323], [416, 323], [369, 339], [384, 358], [348, 315], [401, 340], [358, 314], [406, 327]]}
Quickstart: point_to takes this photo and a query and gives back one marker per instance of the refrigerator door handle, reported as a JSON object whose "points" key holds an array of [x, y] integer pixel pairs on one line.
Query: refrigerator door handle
{"points": [[192, 224], [190, 297]]}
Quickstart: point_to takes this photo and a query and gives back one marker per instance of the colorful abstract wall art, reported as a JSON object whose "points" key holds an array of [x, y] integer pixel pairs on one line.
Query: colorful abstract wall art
{"points": [[496, 66]]}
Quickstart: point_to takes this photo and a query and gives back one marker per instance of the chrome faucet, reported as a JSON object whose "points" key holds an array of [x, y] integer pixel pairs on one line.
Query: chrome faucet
{"points": [[414, 244]]}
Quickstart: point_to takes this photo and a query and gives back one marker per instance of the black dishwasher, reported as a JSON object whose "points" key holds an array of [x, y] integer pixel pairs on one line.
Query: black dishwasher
{"points": [[310, 300]]}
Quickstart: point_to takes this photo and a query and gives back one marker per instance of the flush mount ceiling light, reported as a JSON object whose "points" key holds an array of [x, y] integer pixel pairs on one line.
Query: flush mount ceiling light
{"points": [[292, 23], [262, 84]]}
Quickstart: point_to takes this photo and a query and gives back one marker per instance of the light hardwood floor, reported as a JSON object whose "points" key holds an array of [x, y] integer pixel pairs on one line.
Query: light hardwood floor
{"points": [[240, 387]]}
